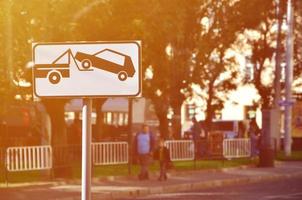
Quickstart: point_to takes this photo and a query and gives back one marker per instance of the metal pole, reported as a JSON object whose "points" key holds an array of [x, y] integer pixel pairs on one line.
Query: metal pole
{"points": [[277, 83], [194, 137], [86, 149], [288, 80], [130, 113], [5, 152], [9, 41], [195, 152]]}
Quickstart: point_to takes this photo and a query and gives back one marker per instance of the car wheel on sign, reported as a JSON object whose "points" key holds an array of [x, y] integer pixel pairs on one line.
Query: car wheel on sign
{"points": [[122, 76], [54, 77], [86, 64]]}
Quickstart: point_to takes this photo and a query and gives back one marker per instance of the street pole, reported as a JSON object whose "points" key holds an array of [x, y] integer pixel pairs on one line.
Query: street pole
{"points": [[277, 83], [4, 123], [288, 80], [8, 48], [86, 149], [130, 113]]}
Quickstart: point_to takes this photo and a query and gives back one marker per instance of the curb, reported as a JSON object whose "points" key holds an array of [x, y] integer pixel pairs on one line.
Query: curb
{"points": [[198, 185], [173, 173], [180, 172], [18, 185], [61, 181]]}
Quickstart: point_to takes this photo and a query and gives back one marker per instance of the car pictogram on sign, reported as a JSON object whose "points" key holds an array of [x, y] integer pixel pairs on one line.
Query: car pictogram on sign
{"points": [[108, 60]]}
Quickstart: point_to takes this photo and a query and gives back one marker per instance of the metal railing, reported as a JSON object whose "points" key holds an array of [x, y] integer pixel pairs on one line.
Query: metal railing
{"points": [[180, 150], [236, 148], [29, 158], [110, 153], [105, 153]]}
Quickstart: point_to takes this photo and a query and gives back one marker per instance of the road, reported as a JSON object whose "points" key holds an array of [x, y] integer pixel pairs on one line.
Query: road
{"points": [[279, 189], [282, 189]]}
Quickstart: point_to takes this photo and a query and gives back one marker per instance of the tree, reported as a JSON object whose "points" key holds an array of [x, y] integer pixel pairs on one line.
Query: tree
{"points": [[173, 36], [159, 25], [183, 44], [24, 23], [6, 88], [262, 41], [215, 70], [263, 48], [298, 40], [98, 103]]}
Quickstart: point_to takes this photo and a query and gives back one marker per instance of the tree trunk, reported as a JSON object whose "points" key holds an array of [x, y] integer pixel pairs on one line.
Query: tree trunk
{"points": [[164, 127], [208, 121], [176, 121], [210, 110], [176, 103], [99, 119], [161, 110], [55, 109]]}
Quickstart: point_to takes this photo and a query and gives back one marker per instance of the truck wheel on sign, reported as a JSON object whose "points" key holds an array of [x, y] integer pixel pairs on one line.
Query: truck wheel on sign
{"points": [[86, 64], [122, 76], [54, 77]]}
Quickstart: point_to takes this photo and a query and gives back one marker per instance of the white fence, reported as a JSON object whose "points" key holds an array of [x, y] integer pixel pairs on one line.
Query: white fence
{"points": [[180, 149], [110, 153], [28, 158], [236, 148]]}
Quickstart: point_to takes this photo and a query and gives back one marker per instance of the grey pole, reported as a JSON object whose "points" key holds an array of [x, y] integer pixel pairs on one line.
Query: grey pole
{"points": [[288, 80], [86, 149], [277, 83], [130, 150], [8, 49]]}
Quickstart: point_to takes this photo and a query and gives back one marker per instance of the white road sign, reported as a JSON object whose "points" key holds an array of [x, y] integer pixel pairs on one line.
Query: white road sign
{"points": [[87, 69]]}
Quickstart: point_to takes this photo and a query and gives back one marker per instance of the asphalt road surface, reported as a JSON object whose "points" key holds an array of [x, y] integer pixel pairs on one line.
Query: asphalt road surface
{"points": [[281, 189], [284, 189]]}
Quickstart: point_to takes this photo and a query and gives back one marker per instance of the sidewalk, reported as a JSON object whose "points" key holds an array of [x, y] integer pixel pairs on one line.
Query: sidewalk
{"points": [[178, 181]]}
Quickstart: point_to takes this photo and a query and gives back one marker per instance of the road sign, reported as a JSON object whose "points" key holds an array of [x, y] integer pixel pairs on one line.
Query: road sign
{"points": [[87, 69], [286, 103]]}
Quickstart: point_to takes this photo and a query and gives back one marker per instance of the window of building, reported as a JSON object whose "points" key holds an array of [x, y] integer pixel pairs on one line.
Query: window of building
{"points": [[116, 118], [190, 111]]}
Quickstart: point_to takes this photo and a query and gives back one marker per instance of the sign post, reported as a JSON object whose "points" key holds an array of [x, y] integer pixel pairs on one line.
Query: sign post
{"points": [[86, 149], [87, 70]]}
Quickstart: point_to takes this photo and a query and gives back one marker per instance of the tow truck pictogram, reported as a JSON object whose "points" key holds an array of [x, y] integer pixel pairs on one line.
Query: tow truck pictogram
{"points": [[107, 60]]}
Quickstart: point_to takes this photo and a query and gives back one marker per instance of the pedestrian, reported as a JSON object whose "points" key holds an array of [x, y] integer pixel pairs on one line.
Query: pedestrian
{"points": [[162, 154], [144, 146], [196, 129], [254, 133], [197, 132]]}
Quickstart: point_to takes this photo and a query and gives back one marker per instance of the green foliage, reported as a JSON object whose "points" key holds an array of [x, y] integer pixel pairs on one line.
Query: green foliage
{"points": [[220, 29], [295, 156], [122, 170], [197, 48], [261, 58], [298, 40]]}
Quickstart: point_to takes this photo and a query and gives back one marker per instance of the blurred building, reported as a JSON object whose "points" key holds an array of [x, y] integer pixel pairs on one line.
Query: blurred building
{"points": [[116, 116]]}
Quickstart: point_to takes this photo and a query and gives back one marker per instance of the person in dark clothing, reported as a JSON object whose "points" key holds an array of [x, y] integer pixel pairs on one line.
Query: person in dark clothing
{"points": [[198, 133], [254, 133], [162, 154], [196, 129]]}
